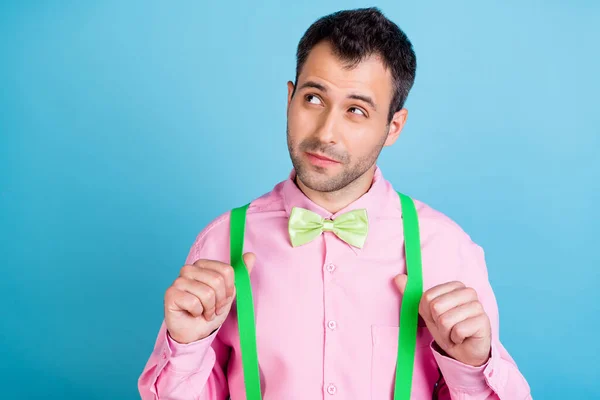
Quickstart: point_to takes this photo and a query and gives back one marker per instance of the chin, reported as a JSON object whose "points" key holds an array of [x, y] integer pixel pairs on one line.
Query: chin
{"points": [[320, 182]]}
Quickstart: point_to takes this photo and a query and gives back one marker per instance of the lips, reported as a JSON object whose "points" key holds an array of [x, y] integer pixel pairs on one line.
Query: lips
{"points": [[321, 157]]}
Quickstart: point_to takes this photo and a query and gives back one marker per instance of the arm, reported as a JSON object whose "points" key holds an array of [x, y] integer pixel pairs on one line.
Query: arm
{"points": [[184, 371], [497, 379], [189, 359]]}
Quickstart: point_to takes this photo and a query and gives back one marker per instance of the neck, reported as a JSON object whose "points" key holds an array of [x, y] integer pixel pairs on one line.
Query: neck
{"points": [[339, 199]]}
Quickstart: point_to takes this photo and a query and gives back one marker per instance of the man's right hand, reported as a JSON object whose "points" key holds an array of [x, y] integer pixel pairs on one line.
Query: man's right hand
{"points": [[200, 299]]}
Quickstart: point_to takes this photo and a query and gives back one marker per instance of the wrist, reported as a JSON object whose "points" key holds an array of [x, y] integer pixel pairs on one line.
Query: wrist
{"points": [[472, 362]]}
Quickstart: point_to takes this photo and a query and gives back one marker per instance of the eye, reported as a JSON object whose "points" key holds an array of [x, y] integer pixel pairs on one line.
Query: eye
{"points": [[357, 111], [311, 98]]}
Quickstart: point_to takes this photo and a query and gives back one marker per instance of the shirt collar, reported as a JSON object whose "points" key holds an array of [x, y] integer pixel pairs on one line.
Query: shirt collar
{"points": [[372, 200]]}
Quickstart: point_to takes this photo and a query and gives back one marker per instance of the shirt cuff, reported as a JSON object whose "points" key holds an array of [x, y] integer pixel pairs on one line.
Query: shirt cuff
{"points": [[462, 376], [187, 357]]}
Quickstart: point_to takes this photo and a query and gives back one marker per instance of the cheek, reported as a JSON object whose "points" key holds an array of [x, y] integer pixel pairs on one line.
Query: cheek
{"points": [[300, 123], [361, 142]]}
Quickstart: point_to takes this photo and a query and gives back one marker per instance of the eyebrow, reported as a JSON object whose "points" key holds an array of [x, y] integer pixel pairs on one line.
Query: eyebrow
{"points": [[361, 97]]}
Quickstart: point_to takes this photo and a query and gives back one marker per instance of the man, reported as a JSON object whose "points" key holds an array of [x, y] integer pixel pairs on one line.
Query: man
{"points": [[326, 310]]}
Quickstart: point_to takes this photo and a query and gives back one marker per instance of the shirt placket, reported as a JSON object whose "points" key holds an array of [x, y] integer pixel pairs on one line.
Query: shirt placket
{"points": [[332, 328]]}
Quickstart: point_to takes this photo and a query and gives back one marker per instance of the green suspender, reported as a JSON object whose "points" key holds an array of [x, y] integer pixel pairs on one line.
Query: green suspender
{"points": [[245, 308], [409, 311]]}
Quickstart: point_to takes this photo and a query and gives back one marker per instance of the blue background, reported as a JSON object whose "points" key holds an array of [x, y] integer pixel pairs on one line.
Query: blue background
{"points": [[126, 128]]}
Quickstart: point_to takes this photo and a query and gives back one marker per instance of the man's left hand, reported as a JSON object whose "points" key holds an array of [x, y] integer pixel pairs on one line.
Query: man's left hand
{"points": [[456, 320]]}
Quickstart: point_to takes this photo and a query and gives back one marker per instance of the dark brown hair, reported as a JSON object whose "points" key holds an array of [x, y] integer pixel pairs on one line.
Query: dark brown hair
{"points": [[358, 34]]}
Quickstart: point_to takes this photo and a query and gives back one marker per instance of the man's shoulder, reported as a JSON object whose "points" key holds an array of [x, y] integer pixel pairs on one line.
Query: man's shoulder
{"points": [[445, 242], [217, 230], [436, 225]]}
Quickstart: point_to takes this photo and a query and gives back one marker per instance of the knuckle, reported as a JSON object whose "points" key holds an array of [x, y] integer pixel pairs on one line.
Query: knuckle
{"points": [[170, 292], [436, 308], [194, 302], [179, 282], [428, 297], [472, 293], [228, 273], [208, 295], [217, 281], [484, 320], [199, 263], [459, 330], [444, 321], [478, 306], [186, 270]]}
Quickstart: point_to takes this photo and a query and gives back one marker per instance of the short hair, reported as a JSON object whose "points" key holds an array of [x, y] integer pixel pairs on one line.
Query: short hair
{"points": [[358, 34]]}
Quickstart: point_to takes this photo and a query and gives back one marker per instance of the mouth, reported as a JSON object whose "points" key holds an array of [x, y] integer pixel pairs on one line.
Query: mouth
{"points": [[320, 160], [322, 157]]}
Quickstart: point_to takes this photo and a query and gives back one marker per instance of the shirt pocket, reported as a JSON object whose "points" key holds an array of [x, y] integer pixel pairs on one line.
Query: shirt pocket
{"points": [[383, 363]]}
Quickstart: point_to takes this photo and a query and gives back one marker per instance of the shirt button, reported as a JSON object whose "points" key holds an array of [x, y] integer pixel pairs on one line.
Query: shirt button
{"points": [[330, 267], [491, 373], [331, 389], [332, 325]]}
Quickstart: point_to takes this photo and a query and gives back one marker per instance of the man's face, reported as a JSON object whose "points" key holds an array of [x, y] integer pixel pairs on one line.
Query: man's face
{"points": [[337, 119]]}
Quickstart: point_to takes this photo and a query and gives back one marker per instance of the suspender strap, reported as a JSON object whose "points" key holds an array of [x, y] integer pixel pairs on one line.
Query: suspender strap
{"points": [[409, 310], [245, 306]]}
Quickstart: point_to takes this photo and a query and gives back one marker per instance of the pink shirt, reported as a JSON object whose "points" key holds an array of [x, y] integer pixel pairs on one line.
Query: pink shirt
{"points": [[327, 313]]}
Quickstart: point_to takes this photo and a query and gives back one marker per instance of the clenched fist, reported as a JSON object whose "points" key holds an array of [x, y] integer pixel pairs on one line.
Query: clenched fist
{"points": [[200, 299], [456, 320]]}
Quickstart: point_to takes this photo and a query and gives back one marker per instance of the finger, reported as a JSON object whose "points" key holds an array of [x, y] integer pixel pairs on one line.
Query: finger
{"points": [[185, 301], [249, 260], [474, 327], [202, 291], [450, 300], [432, 294], [212, 278], [446, 322], [400, 281], [225, 270]]}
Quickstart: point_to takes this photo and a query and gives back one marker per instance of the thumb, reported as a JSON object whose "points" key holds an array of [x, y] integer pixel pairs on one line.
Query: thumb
{"points": [[400, 281], [249, 259]]}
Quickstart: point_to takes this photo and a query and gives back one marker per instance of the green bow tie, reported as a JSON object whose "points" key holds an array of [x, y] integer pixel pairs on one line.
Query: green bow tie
{"points": [[305, 225]]}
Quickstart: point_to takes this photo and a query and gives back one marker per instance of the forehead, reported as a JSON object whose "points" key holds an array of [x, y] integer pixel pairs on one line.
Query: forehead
{"points": [[370, 76]]}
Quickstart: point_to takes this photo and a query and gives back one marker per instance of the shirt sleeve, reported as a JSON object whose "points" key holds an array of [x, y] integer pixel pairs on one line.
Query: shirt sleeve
{"points": [[183, 371], [195, 370], [499, 378]]}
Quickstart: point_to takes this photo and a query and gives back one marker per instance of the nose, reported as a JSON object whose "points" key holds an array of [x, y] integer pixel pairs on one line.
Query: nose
{"points": [[327, 127]]}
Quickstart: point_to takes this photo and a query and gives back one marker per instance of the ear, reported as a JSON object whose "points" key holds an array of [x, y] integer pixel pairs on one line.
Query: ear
{"points": [[290, 86], [396, 125]]}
